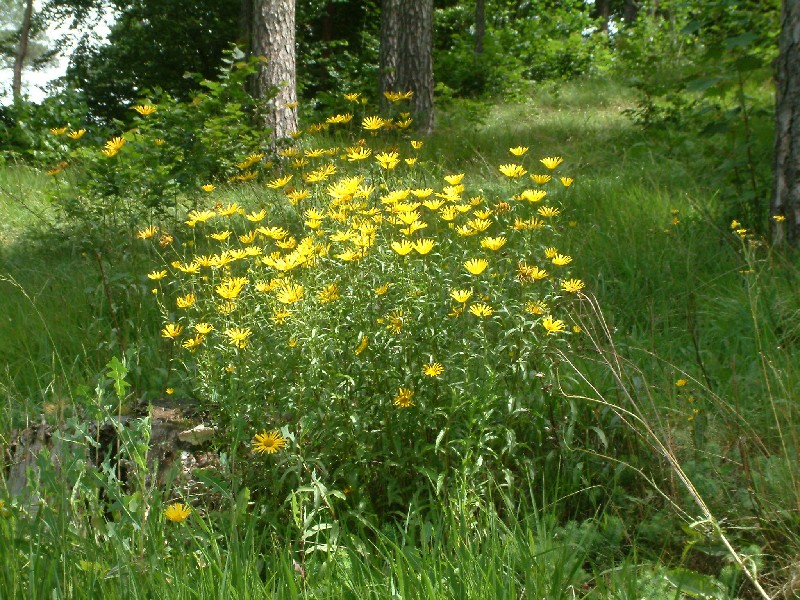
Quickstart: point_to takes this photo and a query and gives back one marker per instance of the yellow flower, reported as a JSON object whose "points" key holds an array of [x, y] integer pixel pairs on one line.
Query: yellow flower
{"points": [[280, 182], [541, 179], [185, 301], [203, 328], [778, 218], [518, 151], [550, 251], [353, 97], [476, 266], [158, 142], [551, 162], [537, 308], [481, 310], [269, 443], [681, 382], [396, 320], [58, 130], [423, 246], [114, 145], [279, 316], [533, 195], [388, 160], [238, 336], [572, 285], [255, 217], [372, 123], [526, 272], [358, 153], [177, 512], [171, 331], [382, 289], [493, 243], [156, 275], [560, 260], [77, 134], [345, 118], [296, 195], [454, 179], [145, 109], [229, 210], [290, 293], [433, 369], [193, 343], [552, 326], [403, 398], [735, 224], [566, 181], [410, 161], [147, 233], [362, 345], [230, 288], [328, 294], [402, 247], [548, 211], [208, 187], [461, 295], [416, 145], [512, 170], [221, 236]]}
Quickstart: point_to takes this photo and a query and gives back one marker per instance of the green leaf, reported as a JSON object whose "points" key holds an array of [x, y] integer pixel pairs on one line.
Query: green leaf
{"points": [[696, 584], [741, 41]]}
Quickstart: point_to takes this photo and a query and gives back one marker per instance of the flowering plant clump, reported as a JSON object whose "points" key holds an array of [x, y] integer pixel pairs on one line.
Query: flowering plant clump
{"points": [[395, 320]]}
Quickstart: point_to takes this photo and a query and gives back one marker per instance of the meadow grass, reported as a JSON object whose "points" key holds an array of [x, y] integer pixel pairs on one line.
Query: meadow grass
{"points": [[683, 298]]}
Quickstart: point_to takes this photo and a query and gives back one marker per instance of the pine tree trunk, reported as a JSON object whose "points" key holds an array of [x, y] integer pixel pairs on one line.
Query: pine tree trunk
{"points": [[631, 11], [480, 25], [22, 50], [273, 38], [786, 177], [407, 54]]}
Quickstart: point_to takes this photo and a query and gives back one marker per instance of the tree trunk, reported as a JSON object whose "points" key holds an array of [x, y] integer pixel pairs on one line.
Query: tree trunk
{"points": [[786, 174], [273, 38], [602, 11], [480, 25], [631, 11], [22, 50], [407, 54]]}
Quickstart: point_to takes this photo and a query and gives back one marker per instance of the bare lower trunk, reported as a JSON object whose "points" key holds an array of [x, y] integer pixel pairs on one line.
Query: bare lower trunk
{"points": [[273, 38], [480, 25], [22, 50], [785, 204]]}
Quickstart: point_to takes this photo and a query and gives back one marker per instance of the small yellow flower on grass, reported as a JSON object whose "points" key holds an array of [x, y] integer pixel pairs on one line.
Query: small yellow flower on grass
{"points": [[203, 328], [461, 295], [548, 211], [230, 288], [572, 285], [403, 398], [433, 369], [566, 181], [454, 179], [552, 325], [171, 331], [537, 307], [532, 195], [208, 187], [372, 123], [269, 443], [358, 153], [185, 301], [681, 382], [382, 289], [518, 151], [280, 182], [476, 266], [512, 170], [362, 345], [396, 320], [328, 294], [541, 179], [157, 275], [58, 130], [76, 135], [423, 246], [388, 160], [402, 247], [551, 162], [481, 310], [290, 293], [493, 243], [416, 145], [778, 218], [177, 512], [238, 336], [147, 233], [560, 260]]}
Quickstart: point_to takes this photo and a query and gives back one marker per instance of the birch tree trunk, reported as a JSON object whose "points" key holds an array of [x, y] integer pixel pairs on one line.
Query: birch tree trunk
{"points": [[273, 37], [786, 174]]}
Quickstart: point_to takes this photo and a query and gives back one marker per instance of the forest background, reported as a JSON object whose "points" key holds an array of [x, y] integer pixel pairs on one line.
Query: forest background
{"points": [[528, 331]]}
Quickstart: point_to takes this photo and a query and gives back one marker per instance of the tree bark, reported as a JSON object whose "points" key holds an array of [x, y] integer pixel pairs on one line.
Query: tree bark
{"points": [[480, 25], [407, 54], [22, 50], [786, 173], [631, 11], [273, 38], [602, 11]]}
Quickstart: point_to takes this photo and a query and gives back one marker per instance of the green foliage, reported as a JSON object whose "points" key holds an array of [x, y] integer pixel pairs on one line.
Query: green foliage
{"points": [[153, 45], [172, 149]]}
